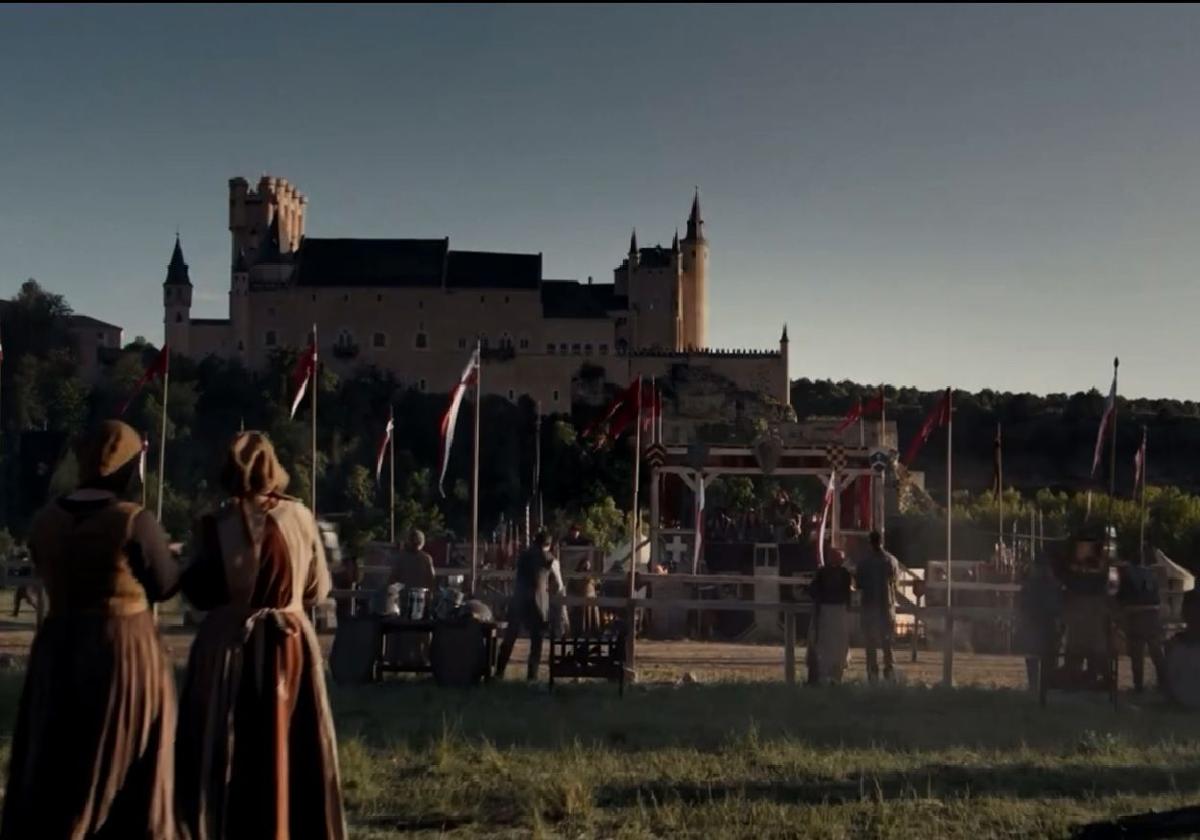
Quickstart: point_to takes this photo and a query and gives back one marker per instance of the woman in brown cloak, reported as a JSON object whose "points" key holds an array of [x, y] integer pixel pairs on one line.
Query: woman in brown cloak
{"points": [[256, 755], [91, 754]]}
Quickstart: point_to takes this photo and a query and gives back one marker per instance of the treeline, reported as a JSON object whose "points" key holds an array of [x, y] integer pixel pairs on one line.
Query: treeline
{"points": [[1047, 440]]}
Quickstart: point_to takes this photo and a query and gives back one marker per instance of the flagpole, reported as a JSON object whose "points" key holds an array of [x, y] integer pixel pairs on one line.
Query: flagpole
{"points": [[637, 475], [1142, 515], [948, 657], [475, 467], [1112, 450], [537, 462], [881, 502], [162, 442], [1000, 486], [142, 460], [313, 396], [392, 473]]}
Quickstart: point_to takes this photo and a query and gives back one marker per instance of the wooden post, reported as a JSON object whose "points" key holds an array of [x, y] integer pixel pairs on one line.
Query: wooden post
{"points": [[789, 647]]}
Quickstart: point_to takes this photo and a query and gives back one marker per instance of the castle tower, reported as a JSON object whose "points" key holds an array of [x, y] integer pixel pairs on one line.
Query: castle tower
{"points": [[239, 306], [649, 278], [274, 203], [177, 302], [786, 396], [695, 279]]}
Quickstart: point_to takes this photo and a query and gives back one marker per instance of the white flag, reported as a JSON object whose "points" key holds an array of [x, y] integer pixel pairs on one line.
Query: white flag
{"points": [[450, 417]]}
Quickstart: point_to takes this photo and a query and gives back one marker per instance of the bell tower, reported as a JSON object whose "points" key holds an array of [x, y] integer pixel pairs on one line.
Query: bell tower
{"points": [[177, 302]]}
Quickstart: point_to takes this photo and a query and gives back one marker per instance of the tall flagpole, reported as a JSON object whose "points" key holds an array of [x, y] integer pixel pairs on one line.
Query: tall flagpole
{"points": [[475, 467], [537, 462], [637, 475], [312, 386], [1112, 453], [392, 473], [881, 502], [1000, 486], [1142, 516], [162, 440], [948, 657]]}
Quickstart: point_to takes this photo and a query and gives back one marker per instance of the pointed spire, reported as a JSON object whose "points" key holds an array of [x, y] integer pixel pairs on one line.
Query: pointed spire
{"points": [[675, 242], [177, 269], [633, 242], [783, 339], [695, 224]]}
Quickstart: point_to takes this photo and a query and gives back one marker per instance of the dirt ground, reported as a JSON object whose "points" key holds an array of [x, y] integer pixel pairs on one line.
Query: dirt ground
{"points": [[657, 661]]}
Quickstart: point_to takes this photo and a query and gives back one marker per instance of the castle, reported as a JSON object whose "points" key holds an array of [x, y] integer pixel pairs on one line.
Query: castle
{"points": [[416, 307]]}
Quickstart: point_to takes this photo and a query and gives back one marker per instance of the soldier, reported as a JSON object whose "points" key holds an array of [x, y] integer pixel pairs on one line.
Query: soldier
{"points": [[876, 577], [1139, 601], [1039, 604], [1085, 613]]}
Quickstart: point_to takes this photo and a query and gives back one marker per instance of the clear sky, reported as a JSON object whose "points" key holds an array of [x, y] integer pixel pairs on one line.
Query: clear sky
{"points": [[977, 196]]}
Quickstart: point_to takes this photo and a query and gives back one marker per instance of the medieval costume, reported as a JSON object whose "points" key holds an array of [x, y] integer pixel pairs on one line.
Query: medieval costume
{"points": [[829, 636], [256, 755], [877, 574], [91, 754]]}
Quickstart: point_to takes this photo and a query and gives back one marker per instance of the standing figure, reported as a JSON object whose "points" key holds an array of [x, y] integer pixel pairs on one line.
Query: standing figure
{"points": [[256, 755], [92, 749], [1086, 615], [876, 578], [1140, 603], [1039, 605], [529, 606], [829, 637], [585, 620]]}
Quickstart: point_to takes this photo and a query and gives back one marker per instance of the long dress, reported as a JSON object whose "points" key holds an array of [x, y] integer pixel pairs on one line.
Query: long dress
{"points": [[829, 635], [256, 755], [92, 750]]}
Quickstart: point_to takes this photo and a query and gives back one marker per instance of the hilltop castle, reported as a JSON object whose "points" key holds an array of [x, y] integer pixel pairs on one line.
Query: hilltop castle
{"points": [[416, 307]]}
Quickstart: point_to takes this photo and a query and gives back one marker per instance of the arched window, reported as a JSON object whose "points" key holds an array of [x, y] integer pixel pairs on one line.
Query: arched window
{"points": [[178, 317], [421, 342]]}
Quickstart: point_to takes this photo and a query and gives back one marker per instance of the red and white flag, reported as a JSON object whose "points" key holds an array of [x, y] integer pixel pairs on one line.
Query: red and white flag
{"points": [[1110, 406], [936, 419], [156, 370], [302, 376], [1139, 463], [469, 376], [699, 523], [825, 509], [651, 409], [383, 445], [860, 410]]}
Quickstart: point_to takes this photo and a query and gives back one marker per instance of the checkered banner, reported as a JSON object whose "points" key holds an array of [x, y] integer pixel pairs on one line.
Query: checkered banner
{"points": [[837, 456]]}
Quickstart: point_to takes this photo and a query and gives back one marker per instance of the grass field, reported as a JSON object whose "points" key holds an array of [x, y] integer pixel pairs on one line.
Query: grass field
{"points": [[743, 756]]}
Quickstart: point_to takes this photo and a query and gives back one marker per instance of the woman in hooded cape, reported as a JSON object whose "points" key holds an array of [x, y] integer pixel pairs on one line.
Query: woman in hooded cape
{"points": [[256, 755], [91, 753]]}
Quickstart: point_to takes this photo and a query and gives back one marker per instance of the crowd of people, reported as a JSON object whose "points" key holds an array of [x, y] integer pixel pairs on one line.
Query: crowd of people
{"points": [[101, 747]]}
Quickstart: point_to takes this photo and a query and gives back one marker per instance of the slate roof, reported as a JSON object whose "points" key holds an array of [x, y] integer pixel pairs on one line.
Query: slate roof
{"points": [[572, 299], [491, 270], [372, 262]]}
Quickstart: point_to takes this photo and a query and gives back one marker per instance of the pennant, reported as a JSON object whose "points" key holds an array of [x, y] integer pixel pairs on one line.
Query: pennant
{"points": [[306, 368], [156, 370], [383, 445], [860, 410], [1110, 406], [1139, 463], [618, 415], [825, 508], [699, 521], [937, 418], [142, 460], [450, 417]]}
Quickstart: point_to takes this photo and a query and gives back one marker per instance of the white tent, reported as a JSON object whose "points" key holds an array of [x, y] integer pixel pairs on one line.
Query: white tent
{"points": [[1175, 580]]}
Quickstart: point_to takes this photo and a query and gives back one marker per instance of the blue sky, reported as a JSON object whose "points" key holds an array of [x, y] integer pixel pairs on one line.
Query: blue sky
{"points": [[977, 196]]}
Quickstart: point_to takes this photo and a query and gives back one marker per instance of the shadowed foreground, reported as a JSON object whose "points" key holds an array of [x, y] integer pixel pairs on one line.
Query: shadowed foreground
{"points": [[745, 759]]}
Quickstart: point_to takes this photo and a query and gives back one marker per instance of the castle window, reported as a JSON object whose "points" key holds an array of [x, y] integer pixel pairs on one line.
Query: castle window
{"points": [[506, 298], [379, 298], [524, 343], [550, 348], [420, 304], [511, 395], [241, 347], [587, 349], [421, 386], [422, 341], [345, 298], [556, 395], [603, 349], [178, 317], [270, 338], [314, 298], [483, 342], [379, 340], [462, 344], [482, 299], [575, 348], [622, 346], [562, 348], [271, 311]]}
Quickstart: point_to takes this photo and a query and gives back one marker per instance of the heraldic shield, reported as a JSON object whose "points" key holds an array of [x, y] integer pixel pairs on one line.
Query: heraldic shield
{"points": [[767, 451]]}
